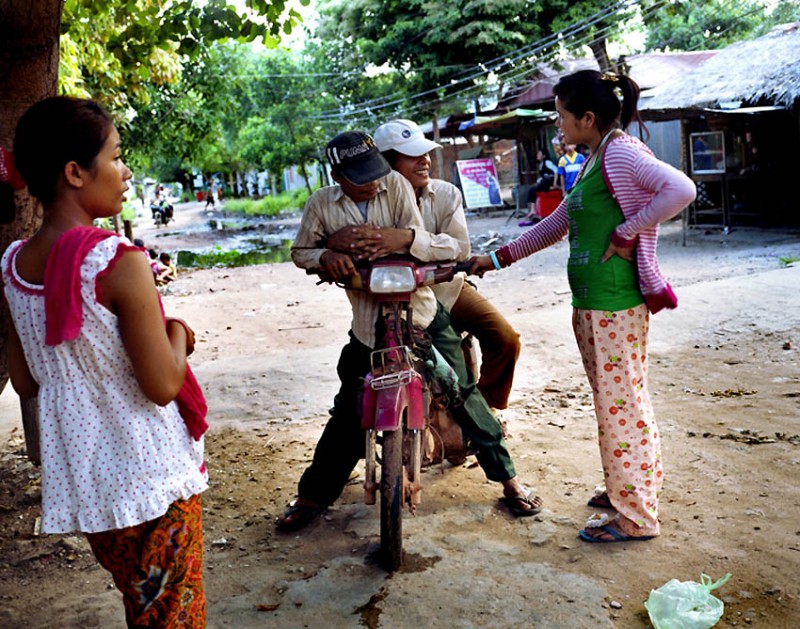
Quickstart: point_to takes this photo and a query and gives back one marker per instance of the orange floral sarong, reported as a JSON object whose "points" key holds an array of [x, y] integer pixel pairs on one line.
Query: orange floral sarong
{"points": [[158, 567]]}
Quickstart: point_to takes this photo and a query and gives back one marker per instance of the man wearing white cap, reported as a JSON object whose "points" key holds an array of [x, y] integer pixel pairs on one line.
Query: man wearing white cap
{"points": [[406, 148], [369, 199]]}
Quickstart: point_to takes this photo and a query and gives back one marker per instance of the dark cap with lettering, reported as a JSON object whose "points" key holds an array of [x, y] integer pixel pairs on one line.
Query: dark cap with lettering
{"points": [[355, 157]]}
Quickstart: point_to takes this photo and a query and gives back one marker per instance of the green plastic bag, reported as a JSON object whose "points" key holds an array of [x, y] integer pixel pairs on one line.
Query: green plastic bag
{"points": [[685, 604]]}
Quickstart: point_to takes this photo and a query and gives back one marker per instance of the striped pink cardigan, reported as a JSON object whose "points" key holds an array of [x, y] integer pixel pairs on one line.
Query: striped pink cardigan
{"points": [[648, 191]]}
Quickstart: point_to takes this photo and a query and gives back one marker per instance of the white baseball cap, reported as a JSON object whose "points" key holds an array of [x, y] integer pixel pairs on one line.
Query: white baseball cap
{"points": [[405, 137]]}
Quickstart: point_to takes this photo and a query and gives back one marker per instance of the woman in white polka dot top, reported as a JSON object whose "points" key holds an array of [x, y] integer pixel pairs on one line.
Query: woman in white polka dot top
{"points": [[121, 460]]}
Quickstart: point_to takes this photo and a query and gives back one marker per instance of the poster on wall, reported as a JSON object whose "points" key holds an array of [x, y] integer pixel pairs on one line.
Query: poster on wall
{"points": [[479, 182]]}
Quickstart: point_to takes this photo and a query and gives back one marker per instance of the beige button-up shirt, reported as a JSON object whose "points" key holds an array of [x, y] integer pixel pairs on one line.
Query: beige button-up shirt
{"points": [[329, 209], [447, 236]]}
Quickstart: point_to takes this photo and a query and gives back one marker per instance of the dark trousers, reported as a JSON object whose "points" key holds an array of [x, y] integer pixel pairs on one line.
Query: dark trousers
{"points": [[342, 442]]}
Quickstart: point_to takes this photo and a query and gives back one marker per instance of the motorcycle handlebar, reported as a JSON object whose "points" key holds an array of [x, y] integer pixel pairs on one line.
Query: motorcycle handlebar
{"points": [[464, 267], [458, 267], [461, 267]]}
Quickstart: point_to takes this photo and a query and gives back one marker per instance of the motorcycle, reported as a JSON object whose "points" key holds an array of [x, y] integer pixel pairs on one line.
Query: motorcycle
{"points": [[162, 212], [398, 403]]}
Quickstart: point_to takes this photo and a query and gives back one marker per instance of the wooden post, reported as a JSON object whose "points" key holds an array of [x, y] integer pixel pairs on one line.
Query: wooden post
{"points": [[685, 168], [127, 227], [30, 424], [439, 172]]}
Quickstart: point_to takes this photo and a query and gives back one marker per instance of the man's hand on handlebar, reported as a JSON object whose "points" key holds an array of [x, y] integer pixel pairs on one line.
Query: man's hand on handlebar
{"points": [[480, 264], [336, 266], [367, 242]]}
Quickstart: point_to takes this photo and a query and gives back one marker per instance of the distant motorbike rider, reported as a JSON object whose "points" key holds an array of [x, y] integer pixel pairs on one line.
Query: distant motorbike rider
{"points": [[160, 208]]}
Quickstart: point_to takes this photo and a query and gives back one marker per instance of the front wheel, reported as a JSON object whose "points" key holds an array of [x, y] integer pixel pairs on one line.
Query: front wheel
{"points": [[392, 500]]}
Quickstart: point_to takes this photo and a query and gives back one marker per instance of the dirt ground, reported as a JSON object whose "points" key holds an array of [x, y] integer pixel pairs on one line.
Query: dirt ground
{"points": [[725, 383]]}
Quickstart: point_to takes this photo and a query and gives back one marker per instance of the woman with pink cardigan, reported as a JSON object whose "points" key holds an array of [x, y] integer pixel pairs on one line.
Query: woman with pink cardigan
{"points": [[611, 217]]}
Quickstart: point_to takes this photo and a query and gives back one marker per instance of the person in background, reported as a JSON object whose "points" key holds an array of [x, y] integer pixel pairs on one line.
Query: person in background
{"points": [[373, 201], [569, 165], [211, 193], [408, 151], [155, 267], [166, 269], [121, 417], [611, 217], [546, 172]]}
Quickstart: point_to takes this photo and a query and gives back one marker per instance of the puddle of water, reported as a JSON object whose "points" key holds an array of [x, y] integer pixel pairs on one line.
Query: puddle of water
{"points": [[249, 253]]}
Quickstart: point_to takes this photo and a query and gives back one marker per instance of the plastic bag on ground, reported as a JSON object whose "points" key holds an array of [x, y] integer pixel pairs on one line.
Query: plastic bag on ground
{"points": [[685, 604]]}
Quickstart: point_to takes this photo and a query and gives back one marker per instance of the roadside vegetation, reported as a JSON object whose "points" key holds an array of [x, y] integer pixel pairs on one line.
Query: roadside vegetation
{"points": [[193, 95], [286, 202]]}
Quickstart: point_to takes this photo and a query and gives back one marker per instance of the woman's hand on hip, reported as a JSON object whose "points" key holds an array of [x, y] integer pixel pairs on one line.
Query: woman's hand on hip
{"points": [[626, 253]]}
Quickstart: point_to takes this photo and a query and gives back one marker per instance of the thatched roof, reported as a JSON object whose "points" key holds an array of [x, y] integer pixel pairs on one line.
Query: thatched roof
{"points": [[763, 71], [647, 69]]}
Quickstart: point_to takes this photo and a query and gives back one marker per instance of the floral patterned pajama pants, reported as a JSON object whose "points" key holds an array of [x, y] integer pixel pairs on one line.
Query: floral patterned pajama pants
{"points": [[613, 346], [158, 567]]}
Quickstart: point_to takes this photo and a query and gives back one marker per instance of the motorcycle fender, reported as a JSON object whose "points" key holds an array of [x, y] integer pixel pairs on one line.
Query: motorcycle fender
{"points": [[416, 411], [389, 405], [368, 405]]}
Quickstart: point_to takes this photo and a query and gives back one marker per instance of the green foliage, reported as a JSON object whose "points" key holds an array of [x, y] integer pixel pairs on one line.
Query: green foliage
{"points": [[689, 25], [431, 44], [148, 62], [128, 211], [275, 125], [114, 51], [444, 54], [287, 202]]}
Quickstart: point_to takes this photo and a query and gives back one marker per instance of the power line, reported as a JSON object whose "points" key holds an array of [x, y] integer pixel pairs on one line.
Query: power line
{"points": [[529, 50], [369, 109], [494, 64]]}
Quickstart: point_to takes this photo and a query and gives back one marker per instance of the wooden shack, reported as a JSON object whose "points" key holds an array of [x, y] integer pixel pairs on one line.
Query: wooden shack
{"points": [[739, 116]]}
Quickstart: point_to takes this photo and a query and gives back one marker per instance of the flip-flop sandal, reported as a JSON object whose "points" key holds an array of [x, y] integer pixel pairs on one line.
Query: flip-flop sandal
{"points": [[298, 516], [616, 536], [600, 501], [513, 504]]}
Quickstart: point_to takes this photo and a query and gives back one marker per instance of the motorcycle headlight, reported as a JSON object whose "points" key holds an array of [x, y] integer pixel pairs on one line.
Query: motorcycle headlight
{"points": [[392, 279]]}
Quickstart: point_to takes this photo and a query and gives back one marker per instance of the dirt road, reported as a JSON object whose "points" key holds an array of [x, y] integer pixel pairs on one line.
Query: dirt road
{"points": [[726, 387]]}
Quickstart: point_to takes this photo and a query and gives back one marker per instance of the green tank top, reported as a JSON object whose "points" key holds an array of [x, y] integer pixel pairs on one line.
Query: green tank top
{"points": [[593, 215]]}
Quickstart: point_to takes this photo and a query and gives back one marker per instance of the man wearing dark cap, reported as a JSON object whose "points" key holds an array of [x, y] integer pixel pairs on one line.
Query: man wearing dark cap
{"points": [[370, 193]]}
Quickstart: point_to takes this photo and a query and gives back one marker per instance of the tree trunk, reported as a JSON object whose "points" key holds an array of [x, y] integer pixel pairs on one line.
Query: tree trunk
{"points": [[598, 47], [29, 33], [304, 172]]}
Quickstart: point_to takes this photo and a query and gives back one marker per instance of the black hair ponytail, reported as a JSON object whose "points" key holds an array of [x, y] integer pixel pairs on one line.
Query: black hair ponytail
{"points": [[599, 92]]}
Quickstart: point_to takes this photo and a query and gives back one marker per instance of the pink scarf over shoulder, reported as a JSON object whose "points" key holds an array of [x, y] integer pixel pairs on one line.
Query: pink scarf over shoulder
{"points": [[64, 311]]}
